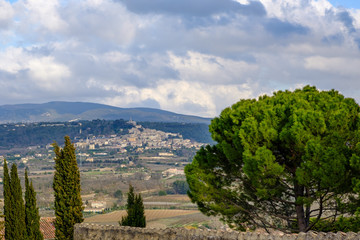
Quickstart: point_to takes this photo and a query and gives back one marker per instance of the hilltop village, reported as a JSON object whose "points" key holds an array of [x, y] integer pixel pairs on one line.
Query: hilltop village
{"points": [[112, 147], [138, 139]]}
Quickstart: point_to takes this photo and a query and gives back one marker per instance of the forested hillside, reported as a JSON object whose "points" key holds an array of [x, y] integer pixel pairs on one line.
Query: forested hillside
{"points": [[32, 134], [22, 135]]}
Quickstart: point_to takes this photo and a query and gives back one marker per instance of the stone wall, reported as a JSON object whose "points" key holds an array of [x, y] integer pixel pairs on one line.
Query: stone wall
{"points": [[86, 231]]}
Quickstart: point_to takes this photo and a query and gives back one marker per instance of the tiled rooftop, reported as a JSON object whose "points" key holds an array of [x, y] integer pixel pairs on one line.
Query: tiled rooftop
{"points": [[47, 228]]}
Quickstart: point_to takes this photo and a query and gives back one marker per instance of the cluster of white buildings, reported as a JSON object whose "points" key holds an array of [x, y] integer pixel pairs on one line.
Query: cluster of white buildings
{"points": [[139, 138]]}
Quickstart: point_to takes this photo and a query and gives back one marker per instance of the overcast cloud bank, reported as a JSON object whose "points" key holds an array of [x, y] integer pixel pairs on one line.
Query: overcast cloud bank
{"points": [[191, 57]]}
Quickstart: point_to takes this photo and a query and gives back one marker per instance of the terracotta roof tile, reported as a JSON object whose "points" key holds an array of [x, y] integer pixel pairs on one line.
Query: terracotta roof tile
{"points": [[47, 228]]}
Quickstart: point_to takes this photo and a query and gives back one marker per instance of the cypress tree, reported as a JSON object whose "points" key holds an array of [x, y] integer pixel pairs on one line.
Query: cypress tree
{"points": [[135, 211], [7, 202], [66, 185], [32, 218], [2, 228], [140, 220], [17, 209], [128, 219]]}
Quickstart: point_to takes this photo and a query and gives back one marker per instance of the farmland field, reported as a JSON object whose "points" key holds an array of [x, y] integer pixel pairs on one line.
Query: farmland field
{"points": [[151, 214], [168, 198], [156, 218]]}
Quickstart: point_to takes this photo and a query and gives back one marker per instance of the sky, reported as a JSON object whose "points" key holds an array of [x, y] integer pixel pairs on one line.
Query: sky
{"points": [[346, 3], [190, 57]]}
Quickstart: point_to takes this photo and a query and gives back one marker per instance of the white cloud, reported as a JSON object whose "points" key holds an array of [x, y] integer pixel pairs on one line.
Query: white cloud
{"points": [[296, 10], [318, 15], [42, 13], [12, 60], [6, 14], [211, 69], [116, 57], [355, 13], [180, 96], [100, 20], [45, 72], [48, 74], [336, 65]]}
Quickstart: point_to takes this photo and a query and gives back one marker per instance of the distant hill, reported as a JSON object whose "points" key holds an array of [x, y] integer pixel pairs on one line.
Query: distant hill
{"points": [[20, 135], [75, 111]]}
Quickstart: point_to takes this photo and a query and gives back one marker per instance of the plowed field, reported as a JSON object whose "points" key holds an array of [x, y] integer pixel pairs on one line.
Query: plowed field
{"points": [[149, 213]]}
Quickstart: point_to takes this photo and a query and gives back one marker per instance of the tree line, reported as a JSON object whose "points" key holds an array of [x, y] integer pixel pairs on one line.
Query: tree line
{"points": [[22, 219], [33, 134]]}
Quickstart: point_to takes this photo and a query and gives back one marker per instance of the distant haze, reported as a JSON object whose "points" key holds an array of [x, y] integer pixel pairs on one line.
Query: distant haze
{"points": [[75, 111]]}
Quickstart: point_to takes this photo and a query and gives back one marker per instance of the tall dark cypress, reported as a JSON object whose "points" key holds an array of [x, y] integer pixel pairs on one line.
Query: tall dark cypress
{"points": [[32, 217], [18, 227], [135, 211], [66, 185], [7, 202], [140, 220], [129, 218]]}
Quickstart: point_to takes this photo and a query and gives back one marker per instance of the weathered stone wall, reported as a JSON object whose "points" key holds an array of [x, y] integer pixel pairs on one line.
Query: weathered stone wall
{"points": [[85, 231]]}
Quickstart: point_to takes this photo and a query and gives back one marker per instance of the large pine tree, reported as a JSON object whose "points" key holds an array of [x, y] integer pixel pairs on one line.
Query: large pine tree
{"points": [[68, 204], [17, 210], [135, 211], [32, 218]]}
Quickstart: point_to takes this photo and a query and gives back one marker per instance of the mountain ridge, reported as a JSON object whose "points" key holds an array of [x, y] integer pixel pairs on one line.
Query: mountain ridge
{"points": [[72, 111]]}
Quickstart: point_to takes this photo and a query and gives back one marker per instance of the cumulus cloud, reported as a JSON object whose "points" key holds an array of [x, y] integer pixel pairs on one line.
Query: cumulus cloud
{"points": [[48, 74], [193, 57], [6, 14], [347, 67], [44, 72], [211, 69], [100, 22], [183, 96], [42, 13]]}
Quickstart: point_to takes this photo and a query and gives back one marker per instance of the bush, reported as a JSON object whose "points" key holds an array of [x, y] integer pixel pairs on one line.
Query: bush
{"points": [[162, 193], [180, 187], [341, 224], [119, 195], [170, 191]]}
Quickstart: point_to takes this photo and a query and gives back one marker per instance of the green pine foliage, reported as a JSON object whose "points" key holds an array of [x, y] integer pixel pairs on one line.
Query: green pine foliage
{"points": [[135, 211], [284, 161], [341, 224], [66, 185], [32, 217]]}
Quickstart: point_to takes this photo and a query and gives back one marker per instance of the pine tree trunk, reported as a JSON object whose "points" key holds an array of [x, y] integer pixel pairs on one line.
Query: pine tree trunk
{"points": [[300, 214]]}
